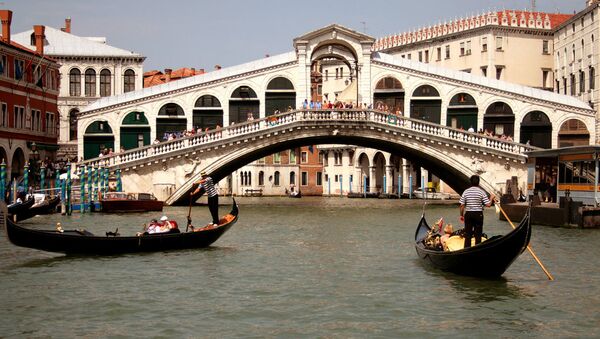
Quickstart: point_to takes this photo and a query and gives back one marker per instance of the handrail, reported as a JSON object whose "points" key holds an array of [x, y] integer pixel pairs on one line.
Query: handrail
{"points": [[401, 123]]}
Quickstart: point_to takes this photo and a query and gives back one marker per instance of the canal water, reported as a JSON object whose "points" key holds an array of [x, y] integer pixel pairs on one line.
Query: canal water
{"points": [[310, 267]]}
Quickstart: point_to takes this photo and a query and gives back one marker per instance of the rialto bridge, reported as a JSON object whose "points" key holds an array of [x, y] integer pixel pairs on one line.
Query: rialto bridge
{"points": [[436, 106]]}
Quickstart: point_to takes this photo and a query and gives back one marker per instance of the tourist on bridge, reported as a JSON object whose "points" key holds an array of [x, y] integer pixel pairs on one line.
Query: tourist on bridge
{"points": [[471, 210], [208, 185]]}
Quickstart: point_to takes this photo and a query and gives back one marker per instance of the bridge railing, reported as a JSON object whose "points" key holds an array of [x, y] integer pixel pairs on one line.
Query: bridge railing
{"points": [[401, 123]]}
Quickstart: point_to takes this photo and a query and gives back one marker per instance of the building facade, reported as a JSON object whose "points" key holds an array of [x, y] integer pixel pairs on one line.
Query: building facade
{"points": [[90, 69], [29, 88]]}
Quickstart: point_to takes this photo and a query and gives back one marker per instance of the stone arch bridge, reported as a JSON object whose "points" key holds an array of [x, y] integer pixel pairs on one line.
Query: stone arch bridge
{"points": [[169, 169]]}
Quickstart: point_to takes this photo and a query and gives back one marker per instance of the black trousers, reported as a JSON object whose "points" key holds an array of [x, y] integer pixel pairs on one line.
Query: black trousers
{"points": [[473, 227], [213, 207]]}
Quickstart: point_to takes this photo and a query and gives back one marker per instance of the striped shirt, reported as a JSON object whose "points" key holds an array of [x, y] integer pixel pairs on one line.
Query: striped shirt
{"points": [[474, 198], [209, 187]]}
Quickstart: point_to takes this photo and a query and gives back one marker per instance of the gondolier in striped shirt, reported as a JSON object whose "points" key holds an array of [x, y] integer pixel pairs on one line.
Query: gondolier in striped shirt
{"points": [[472, 202], [213, 196]]}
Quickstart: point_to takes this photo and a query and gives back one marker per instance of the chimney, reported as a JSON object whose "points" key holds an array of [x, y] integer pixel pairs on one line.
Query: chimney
{"points": [[201, 71], [217, 67], [67, 25], [6, 18], [39, 31], [168, 74]]}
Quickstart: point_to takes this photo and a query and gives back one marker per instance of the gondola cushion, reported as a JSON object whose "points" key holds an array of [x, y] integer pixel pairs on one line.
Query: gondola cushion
{"points": [[456, 242]]}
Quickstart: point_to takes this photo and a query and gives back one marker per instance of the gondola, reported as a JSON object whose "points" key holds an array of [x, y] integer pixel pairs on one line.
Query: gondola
{"points": [[488, 259], [20, 207], [82, 242], [297, 195], [46, 207]]}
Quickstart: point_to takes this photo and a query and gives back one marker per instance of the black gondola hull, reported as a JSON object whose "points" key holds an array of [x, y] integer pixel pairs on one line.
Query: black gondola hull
{"points": [[488, 259], [48, 208], [20, 207], [77, 242]]}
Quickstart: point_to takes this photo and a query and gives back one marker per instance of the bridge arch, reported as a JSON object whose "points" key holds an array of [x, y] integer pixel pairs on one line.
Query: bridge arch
{"points": [[462, 111], [134, 130], [573, 132], [499, 119], [171, 118], [243, 101], [207, 112], [279, 95], [536, 129], [98, 137], [426, 104], [389, 91]]}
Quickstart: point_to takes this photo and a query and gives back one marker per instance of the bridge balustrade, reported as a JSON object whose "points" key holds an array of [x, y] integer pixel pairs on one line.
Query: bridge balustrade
{"points": [[402, 123]]}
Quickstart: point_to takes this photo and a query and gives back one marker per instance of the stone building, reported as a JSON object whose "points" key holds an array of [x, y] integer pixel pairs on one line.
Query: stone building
{"points": [[89, 69]]}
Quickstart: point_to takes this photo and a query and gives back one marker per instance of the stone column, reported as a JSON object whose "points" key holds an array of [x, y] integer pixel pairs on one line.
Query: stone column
{"points": [[389, 180], [372, 179], [424, 178]]}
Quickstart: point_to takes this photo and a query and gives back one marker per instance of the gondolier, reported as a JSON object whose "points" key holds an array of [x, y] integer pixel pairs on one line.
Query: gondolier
{"points": [[208, 185], [471, 210]]}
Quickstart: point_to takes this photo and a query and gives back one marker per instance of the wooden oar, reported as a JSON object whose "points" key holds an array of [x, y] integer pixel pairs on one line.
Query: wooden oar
{"points": [[189, 217], [528, 246]]}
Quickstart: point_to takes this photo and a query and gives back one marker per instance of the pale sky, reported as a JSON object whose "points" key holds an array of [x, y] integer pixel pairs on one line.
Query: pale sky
{"points": [[201, 34]]}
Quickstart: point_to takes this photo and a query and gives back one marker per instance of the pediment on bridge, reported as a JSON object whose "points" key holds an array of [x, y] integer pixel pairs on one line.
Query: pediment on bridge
{"points": [[333, 32]]}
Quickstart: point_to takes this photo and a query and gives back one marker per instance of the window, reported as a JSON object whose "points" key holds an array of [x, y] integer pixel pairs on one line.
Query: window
{"points": [[277, 158], [326, 75], [337, 158], [581, 82], [592, 78], [3, 69], [573, 53], [462, 48], [304, 179], [292, 156], [19, 117], [36, 75], [292, 177], [105, 83], [564, 85], [75, 82], [557, 86], [420, 56], [484, 44], [498, 43], [409, 56], [319, 178], [341, 72], [499, 72], [261, 178], [484, 71], [303, 157], [427, 56], [129, 81], [335, 178], [573, 27], [35, 120], [447, 52], [468, 48], [337, 73], [545, 47], [439, 54], [50, 124], [276, 178], [572, 84], [4, 115], [73, 124], [545, 74], [90, 83], [19, 70], [321, 158]]}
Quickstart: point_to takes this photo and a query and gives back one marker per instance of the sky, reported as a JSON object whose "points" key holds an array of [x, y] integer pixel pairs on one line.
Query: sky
{"points": [[202, 34]]}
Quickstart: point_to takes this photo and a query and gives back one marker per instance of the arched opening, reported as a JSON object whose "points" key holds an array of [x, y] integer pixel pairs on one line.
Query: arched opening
{"points": [[90, 82], [105, 83], [276, 178], [280, 96], [499, 119], [135, 131], [389, 93], [364, 179], [573, 132], [75, 82], [17, 165], [243, 104], [426, 104], [73, 124], [128, 81], [536, 129], [462, 112], [293, 178], [261, 178], [98, 138], [380, 164], [333, 74], [207, 113], [170, 120]]}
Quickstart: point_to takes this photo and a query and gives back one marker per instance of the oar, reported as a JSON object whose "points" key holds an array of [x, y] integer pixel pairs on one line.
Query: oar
{"points": [[189, 218], [528, 246]]}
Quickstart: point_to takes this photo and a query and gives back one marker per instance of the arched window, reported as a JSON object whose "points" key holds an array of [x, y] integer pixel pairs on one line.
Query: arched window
{"points": [[426, 104], [73, 124], [276, 178], [573, 132], [90, 83], [75, 83], [292, 178], [129, 81], [261, 178], [592, 78], [105, 83]]}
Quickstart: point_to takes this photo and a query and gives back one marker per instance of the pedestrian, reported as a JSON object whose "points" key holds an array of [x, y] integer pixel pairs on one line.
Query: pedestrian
{"points": [[208, 185], [471, 210]]}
